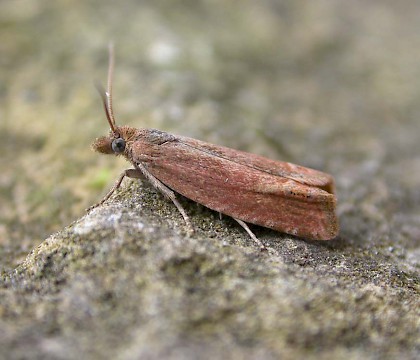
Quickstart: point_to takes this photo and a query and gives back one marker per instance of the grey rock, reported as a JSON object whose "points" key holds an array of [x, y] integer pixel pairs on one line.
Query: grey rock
{"points": [[125, 282]]}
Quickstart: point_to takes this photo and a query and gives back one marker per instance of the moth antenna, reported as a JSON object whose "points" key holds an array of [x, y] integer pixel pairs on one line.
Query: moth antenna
{"points": [[104, 97], [110, 79]]}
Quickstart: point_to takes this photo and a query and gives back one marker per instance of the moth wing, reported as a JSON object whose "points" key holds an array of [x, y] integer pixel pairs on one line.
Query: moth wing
{"points": [[302, 175], [206, 174]]}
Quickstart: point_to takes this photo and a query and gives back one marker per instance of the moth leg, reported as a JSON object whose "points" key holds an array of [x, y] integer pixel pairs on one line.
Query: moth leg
{"points": [[132, 173], [157, 184], [251, 234]]}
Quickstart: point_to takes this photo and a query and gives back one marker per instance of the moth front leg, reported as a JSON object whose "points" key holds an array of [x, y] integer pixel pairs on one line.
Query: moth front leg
{"points": [[131, 173]]}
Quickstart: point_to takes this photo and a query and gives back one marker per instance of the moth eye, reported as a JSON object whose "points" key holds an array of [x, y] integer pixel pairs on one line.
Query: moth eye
{"points": [[118, 145]]}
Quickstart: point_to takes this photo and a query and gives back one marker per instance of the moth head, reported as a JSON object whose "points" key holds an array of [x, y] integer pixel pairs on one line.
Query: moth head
{"points": [[109, 145]]}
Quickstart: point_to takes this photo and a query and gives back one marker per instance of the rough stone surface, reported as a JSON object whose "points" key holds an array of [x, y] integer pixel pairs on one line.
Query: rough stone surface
{"points": [[327, 84]]}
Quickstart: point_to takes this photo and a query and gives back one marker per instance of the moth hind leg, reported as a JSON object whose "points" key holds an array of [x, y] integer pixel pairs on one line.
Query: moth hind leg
{"points": [[251, 234]]}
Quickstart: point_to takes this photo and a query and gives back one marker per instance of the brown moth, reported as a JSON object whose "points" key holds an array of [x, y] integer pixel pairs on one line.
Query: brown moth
{"points": [[251, 189]]}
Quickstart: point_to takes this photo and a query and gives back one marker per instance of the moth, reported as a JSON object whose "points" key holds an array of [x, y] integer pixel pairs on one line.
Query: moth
{"points": [[249, 188]]}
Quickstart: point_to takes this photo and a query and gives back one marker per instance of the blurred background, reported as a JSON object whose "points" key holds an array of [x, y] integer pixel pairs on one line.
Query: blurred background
{"points": [[327, 84]]}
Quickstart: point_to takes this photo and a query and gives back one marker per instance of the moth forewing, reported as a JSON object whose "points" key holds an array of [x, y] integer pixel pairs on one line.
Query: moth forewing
{"points": [[211, 176], [295, 172]]}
